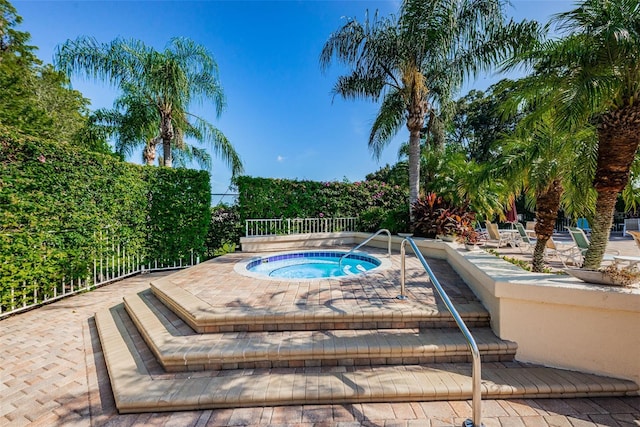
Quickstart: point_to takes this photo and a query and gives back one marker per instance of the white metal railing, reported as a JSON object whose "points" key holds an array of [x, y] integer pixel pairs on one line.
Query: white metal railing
{"points": [[476, 420], [112, 262], [280, 226]]}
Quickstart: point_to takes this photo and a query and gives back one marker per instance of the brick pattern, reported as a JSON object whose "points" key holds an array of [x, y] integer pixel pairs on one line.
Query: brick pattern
{"points": [[52, 373]]}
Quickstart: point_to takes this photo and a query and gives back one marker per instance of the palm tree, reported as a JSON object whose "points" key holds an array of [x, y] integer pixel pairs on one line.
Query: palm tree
{"points": [[596, 69], [167, 81], [415, 62], [553, 167], [132, 122]]}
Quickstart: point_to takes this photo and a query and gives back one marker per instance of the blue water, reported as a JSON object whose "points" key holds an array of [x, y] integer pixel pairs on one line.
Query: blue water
{"points": [[313, 267]]}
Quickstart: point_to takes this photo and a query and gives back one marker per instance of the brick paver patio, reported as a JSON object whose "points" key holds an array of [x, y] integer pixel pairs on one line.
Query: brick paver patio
{"points": [[52, 373]]}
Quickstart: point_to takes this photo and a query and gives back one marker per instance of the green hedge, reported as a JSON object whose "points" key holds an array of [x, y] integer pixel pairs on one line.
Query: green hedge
{"points": [[61, 206], [282, 198]]}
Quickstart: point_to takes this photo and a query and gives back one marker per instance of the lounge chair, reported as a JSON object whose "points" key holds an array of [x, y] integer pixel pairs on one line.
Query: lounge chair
{"points": [[567, 254], [636, 237], [584, 225], [530, 228], [495, 237], [582, 242], [524, 242]]}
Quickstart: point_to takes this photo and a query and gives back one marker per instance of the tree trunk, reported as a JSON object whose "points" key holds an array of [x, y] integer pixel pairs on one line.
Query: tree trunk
{"points": [[149, 152], [618, 140], [600, 229], [547, 205], [414, 166], [167, 134], [415, 122]]}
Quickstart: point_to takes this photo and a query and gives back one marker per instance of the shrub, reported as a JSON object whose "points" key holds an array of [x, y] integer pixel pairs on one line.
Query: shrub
{"points": [[435, 216], [372, 219], [281, 198], [225, 230], [62, 206]]}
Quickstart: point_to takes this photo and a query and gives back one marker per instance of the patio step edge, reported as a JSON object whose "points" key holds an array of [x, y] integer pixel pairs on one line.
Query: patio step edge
{"points": [[205, 318], [305, 348], [136, 390]]}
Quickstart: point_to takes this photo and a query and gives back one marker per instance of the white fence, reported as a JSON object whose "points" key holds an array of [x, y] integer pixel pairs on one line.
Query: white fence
{"points": [[112, 262], [280, 226]]}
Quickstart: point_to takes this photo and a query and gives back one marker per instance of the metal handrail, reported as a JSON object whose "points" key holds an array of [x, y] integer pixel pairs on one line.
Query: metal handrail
{"points": [[475, 353], [382, 230]]}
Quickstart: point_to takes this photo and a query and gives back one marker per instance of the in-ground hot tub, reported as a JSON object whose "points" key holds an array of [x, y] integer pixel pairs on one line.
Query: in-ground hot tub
{"points": [[310, 265]]}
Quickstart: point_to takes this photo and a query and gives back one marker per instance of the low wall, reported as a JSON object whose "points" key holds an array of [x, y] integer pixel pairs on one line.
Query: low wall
{"points": [[296, 241], [556, 320]]}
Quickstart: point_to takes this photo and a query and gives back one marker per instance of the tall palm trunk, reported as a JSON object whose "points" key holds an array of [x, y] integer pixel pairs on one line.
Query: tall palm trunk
{"points": [[618, 140], [167, 134], [415, 122], [547, 205]]}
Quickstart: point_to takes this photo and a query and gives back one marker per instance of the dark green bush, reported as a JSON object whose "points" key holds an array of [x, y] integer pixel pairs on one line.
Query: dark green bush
{"points": [[397, 220], [62, 206], [281, 198], [224, 231]]}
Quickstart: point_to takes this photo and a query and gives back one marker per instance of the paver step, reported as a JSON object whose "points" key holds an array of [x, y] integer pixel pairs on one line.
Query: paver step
{"points": [[177, 351], [139, 387], [207, 318]]}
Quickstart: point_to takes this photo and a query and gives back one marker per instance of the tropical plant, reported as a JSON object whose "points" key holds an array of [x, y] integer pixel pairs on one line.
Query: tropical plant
{"points": [[595, 68], [434, 216], [416, 61], [553, 167], [167, 81]]}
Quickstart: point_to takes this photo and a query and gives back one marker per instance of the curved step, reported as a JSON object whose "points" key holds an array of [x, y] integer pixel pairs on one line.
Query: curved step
{"points": [[207, 318], [137, 390], [178, 352]]}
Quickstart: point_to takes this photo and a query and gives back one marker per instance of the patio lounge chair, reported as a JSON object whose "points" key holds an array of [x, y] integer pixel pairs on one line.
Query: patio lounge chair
{"points": [[567, 254], [584, 224], [524, 242], [582, 242], [495, 237], [636, 237]]}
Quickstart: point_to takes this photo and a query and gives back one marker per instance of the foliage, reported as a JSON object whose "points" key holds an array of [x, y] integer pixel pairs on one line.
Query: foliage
{"points": [[281, 198], [179, 209], [434, 216], [477, 122], [225, 230], [166, 83], [414, 62], [63, 205], [594, 72], [396, 174], [371, 219], [35, 99]]}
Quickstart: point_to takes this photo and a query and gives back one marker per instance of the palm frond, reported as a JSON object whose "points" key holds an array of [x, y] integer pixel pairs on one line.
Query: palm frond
{"points": [[387, 123]]}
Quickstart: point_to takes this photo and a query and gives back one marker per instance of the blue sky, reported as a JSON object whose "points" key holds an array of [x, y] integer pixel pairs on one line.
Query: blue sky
{"points": [[280, 116]]}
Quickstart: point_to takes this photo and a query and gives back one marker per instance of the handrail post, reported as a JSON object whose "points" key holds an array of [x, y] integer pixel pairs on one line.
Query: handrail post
{"points": [[402, 269]]}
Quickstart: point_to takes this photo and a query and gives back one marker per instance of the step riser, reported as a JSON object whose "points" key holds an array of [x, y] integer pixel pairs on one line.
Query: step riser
{"points": [[317, 363], [275, 322], [256, 350], [329, 326], [137, 390]]}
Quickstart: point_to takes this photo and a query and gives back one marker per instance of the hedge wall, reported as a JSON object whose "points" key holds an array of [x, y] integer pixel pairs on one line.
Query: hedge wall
{"points": [[60, 206], [282, 198]]}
